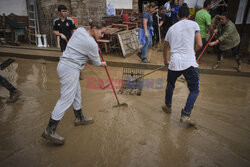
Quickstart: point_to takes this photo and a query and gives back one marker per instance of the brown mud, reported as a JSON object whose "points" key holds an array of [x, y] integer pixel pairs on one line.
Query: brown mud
{"points": [[138, 135]]}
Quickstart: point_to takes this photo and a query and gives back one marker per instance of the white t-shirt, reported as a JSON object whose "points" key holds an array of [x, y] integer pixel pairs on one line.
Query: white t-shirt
{"points": [[80, 48], [181, 38]]}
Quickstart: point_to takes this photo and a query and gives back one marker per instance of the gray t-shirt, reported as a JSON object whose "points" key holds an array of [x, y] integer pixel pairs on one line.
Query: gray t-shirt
{"points": [[80, 48]]}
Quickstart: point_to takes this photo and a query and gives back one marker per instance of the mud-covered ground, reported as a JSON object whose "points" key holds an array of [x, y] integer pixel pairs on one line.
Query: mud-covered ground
{"points": [[139, 135]]}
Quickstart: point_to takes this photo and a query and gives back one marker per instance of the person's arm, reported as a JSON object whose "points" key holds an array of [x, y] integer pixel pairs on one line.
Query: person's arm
{"points": [[95, 57], [209, 23], [198, 41], [226, 33], [56, 31], [60, 35], [73, 26], [145, 21], [165, 53], [165, 47], [161, 23]]}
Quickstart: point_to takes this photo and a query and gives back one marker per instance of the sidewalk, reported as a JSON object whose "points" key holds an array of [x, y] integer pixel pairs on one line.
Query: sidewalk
{"points": [[206, 62]]}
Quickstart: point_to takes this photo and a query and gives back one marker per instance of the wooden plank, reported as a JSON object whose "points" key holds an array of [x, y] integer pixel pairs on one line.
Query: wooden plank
{"points": [[123, 26], [128, 41]]}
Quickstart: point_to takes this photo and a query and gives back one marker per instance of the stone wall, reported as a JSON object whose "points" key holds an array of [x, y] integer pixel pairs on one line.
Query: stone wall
{"points": [[135, 6], [88, 9]]}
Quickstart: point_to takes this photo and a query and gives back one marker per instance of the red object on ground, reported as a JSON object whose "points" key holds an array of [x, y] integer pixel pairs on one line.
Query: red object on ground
{"points": [[205, 47], [125, 18]]}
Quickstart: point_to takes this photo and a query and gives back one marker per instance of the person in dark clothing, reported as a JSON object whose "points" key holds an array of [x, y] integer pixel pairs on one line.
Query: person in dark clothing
{"points": [[168, 18], [14, 93], [63, 26], [157, 24], [175, 8]]}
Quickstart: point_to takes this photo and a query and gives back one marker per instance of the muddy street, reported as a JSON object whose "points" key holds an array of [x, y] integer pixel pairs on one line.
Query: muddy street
{"points": [[138, 135]]}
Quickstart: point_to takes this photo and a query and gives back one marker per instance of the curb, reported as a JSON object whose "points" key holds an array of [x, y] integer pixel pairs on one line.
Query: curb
{"points": [[122, 64]]}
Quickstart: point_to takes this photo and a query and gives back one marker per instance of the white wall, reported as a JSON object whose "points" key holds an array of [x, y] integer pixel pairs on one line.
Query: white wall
{"points": [[17, 7], [121, 4]]}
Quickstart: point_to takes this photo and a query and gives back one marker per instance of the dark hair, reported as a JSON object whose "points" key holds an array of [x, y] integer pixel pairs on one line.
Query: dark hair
{"points": [[98, 25], [61, 7], [172, 2], [225, 14], [149, 5], [207, 3], [183, 11]]}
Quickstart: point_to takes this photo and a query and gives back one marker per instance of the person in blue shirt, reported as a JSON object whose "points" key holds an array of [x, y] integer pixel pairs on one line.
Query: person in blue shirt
{"points": [[146, 31], [175, 8]]}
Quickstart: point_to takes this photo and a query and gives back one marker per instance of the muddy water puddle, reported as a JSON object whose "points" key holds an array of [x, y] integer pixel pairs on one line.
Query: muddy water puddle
{"points": [[138, 135]]}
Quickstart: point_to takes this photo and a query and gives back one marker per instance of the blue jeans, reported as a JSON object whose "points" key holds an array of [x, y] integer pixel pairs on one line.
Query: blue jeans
{"points": [[145, 47], [192, 77]]}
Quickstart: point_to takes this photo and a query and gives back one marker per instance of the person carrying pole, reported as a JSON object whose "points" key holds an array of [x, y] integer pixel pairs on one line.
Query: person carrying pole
{"points": [[228, 39], [184, 38], [81, 47]]}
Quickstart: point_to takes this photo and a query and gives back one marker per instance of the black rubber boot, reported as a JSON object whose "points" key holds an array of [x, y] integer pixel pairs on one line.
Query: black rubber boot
{"points": [[82, 120], [50, 133]]}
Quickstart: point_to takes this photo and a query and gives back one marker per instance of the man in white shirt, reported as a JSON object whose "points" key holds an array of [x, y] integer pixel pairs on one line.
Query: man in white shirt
{"points": [[183, 38]]}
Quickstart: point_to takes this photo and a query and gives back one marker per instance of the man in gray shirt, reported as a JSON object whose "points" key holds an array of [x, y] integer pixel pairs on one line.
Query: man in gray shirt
{"points": [[81, 47]]}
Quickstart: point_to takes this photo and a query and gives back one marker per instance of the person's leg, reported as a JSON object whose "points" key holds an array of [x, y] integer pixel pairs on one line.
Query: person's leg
{"points": [[63, 45], [236, 53], [171, 79], [192, 77], [77, 107], [145, 48], [14, 93], [69, 79], [154, 37], [219, 58]]}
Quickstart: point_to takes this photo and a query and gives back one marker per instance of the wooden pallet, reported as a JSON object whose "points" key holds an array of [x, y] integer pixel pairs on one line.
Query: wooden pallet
{"points": [[129, 41]]}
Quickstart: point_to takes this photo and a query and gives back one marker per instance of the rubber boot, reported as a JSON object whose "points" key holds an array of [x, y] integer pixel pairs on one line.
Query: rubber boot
{"points": [[50, 133], [14, 96], [82, 120]]}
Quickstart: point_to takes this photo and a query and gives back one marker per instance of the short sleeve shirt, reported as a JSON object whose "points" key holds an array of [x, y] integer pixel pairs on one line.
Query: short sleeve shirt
{"points": [[203, 18], [181, 39], [65, 27], [149, 17]]}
